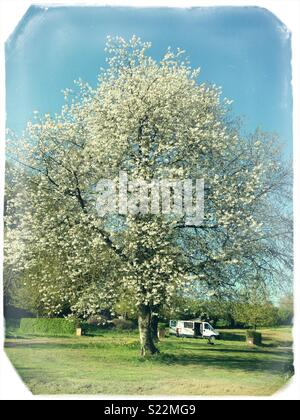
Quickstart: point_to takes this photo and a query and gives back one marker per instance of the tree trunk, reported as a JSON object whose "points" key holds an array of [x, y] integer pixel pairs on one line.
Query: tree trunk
{"points": [[231, 321], [154, 327], [146, 339]]}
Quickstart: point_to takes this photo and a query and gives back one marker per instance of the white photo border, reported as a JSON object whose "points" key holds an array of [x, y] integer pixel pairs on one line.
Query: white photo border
{"points": [[11, 11]]}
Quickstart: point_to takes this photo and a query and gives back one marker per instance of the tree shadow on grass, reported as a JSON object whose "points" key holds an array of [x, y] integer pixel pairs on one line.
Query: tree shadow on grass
{"points": [[241, 352], [243, 359], [229, 336], [269, 343], [241, 362], [73, 345]]}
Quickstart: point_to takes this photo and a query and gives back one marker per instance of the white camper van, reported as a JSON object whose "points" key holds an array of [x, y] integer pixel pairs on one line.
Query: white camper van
{"points": [[193, 328]]}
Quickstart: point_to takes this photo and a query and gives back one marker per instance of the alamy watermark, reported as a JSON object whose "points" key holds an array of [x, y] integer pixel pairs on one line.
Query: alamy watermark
{"points": [[181, 198]]}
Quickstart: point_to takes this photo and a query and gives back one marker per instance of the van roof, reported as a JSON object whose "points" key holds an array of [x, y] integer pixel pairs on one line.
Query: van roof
{"points": [[191, 320]]}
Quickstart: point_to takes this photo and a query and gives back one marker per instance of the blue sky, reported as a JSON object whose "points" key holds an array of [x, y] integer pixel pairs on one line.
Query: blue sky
{"points": [[245, 50]]}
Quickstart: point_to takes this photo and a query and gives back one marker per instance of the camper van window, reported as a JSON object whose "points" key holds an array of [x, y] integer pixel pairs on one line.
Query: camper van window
{"points": [[173, 323], [188, 325]]}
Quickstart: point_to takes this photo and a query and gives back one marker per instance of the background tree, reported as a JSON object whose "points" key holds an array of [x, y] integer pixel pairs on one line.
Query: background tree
{"points": [[256, 315], [254, 308], [286, 310], [153, 120]]}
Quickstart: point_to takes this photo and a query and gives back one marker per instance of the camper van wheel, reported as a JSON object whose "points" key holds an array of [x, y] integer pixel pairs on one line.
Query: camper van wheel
{"points": [[212, 340]]}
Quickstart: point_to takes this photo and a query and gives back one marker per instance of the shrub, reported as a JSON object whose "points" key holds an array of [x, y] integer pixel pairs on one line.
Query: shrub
{"points": [[222, 323], [48, 326], [94, 325], [12, 323], [97, 321], [123, 324], [162, 325], [253, 337]]}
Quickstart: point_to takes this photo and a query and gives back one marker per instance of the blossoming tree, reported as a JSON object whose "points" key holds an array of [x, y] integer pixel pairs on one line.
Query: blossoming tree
{"points": [[153, 120]]}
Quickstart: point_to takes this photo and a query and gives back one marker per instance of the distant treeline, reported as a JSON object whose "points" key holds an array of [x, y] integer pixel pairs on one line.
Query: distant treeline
{"points": [[221, 314]]}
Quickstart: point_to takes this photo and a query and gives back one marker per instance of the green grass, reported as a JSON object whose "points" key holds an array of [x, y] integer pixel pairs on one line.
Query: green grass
{"points": [[110, 364]]}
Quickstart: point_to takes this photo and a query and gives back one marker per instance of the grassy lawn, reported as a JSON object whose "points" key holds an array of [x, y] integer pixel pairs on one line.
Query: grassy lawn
{"points": [[110, 364]]}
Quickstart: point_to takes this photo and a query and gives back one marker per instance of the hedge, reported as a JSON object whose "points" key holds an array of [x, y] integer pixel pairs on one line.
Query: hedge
{"points": [[253, 337], [48, 326]]}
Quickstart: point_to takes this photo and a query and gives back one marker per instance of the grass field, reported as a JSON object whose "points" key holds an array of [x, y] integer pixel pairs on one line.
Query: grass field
{"points": [[110, 364]]}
